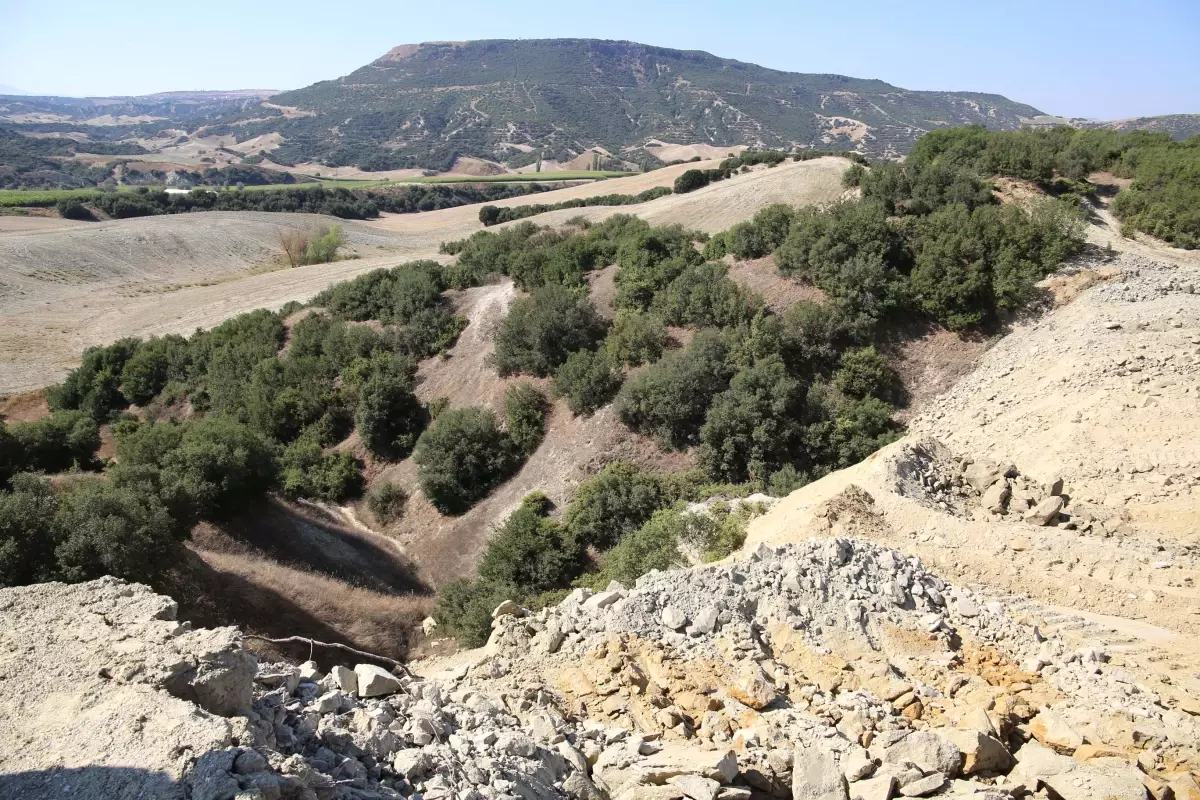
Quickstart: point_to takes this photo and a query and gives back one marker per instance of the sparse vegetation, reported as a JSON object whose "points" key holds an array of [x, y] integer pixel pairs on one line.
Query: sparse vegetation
{"points": [[387, 502], [319, 248]]}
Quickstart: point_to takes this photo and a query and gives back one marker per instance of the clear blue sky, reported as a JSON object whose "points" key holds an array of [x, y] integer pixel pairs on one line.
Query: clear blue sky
{"points": [[1091, 58]]}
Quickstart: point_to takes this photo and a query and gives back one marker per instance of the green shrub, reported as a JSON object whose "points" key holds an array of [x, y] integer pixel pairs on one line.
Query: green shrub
{"points": [[65, 440], [308, 472], [105, 529], [670, 399], [650, 259], [654, 545], [613, 504], [94, 386], [540, 331], [525, 410], [461, 457], [784, 481], [389, 417], [27, 534], [387, 501], [865, 373], [152, 366], [702, 296], [464, 608], [587, 380], [209, 469], [635, 338], [74, 209], [753, 428], [531, 553]]}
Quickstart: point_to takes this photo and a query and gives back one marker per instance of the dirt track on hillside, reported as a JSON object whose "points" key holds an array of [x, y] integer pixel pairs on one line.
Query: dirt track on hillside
{"points": [[62, 290]]}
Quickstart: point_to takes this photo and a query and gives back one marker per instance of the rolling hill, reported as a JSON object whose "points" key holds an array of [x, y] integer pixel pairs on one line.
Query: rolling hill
{"points": [[483, 107], [502, 99]]}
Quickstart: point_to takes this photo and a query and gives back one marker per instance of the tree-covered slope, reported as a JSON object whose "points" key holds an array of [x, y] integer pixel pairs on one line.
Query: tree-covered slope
{"points": [[496, 98]]}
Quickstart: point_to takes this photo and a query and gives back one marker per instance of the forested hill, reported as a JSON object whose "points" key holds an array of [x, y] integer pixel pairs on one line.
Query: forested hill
{"points": [[497, 98]]}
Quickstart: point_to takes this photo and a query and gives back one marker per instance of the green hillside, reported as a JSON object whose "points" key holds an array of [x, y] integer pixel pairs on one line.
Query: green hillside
{"points": [[420, 104]]}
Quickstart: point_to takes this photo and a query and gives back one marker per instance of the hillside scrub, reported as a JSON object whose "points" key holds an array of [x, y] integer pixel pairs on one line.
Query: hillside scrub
{"points": [[946, 167], [542, 330], [227, 415], [634, 519], [462, 456]]}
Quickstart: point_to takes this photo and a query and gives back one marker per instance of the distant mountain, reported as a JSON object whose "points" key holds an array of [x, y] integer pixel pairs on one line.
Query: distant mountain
{"points": [[6, 89], [1180, 126], [497, 99], [513, 102], [171, 106]]}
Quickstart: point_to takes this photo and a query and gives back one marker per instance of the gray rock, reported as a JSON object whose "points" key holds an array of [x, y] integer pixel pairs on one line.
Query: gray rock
{"points": [[706, 620], [602, 600], [981, 752], [345, 679], [1071, 779], [1044, 512], [309, 671], [249, 761], [411, 764], [995, 498], [674, 619], [925, 786], [696, 787], [375, 681], [508, 609], [928, 751], [815, 776], [881, 788], [516, 743]]}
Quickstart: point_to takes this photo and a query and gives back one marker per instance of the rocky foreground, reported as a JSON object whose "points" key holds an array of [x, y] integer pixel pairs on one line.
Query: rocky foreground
{"points": [[825, 670]]}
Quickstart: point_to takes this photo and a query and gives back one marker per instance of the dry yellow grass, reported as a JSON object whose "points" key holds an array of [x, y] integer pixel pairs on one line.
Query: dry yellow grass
{"points": [[64, 290], [264, 597]]}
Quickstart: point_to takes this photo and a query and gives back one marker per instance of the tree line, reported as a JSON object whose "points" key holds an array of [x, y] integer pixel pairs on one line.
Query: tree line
{"points": [[495, 215], [315, 199]]}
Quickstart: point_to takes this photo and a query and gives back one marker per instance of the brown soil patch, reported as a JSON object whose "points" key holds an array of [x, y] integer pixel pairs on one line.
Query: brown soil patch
{"points": [[465, 165], [602, 288], [295, 570], [1015, 190], [25, 407], [931, 359], [779, 292]]}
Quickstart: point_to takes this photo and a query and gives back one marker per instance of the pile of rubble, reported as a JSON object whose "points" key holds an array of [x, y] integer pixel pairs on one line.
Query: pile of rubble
{"points": [[827, 670], [837, 669], [989, 490]]}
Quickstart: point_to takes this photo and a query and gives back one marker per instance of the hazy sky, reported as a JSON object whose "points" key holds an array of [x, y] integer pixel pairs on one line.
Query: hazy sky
{"points": [[1091, 58]]}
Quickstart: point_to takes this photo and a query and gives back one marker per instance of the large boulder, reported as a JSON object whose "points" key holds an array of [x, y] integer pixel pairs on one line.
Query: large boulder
{"points": [[375, 681], [1071, 779], [104, 689], [815, 775], [981, 752], [930, 752]]}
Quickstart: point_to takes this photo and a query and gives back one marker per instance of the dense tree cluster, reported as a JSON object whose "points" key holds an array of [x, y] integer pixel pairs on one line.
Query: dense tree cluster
{"points": [[494, 215], [332, 201], [253, 405]]}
